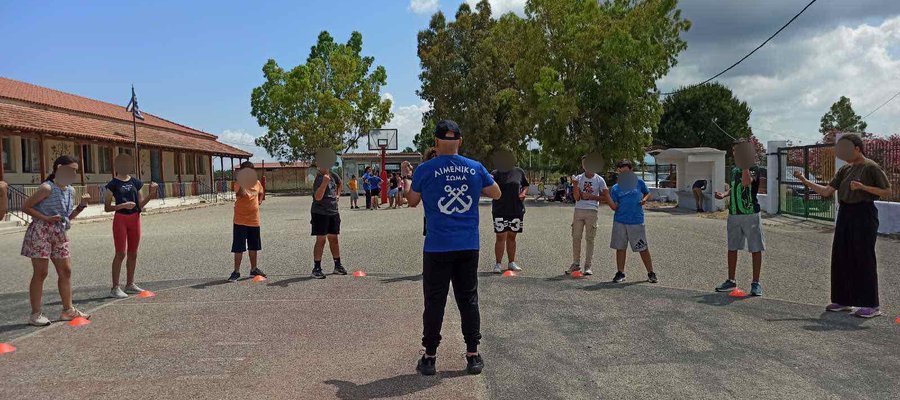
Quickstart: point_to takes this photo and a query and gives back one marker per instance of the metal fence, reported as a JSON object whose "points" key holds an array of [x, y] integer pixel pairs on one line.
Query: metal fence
{"points": [[817, 163], [886, 152]]}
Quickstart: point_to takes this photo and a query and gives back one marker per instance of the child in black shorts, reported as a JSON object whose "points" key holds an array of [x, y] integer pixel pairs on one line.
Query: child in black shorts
{"points": [[326, 220]]}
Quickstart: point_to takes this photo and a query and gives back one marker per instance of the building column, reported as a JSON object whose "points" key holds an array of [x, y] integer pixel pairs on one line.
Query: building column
{"points": [[195, 159], [773, 170], [42, 155], [162, 166], [80, 149], [222, 168], [178, 165], [1, 157], [212, 179]]}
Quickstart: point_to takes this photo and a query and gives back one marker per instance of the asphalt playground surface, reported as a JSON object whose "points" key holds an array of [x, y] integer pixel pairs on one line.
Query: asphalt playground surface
{"points": [[546, 336]]}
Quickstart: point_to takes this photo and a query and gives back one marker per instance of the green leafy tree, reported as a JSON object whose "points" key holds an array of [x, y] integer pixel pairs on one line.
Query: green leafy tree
{"points": [[841, 118], [409, 149], [468, 76], [703, 116], [589, 73], [425, 138], [332, 100]]}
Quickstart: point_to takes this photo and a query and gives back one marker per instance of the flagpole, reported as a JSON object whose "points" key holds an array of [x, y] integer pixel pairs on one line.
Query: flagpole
{"points": [[137, 154]]}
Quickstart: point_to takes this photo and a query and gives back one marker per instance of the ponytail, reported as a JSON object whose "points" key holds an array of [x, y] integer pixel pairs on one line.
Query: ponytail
{"points": [[61, 160]]}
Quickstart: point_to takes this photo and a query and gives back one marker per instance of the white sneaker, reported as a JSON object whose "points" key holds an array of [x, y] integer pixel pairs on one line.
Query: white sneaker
{"points": [[498, 268], [574, 267], [514, 267], [587, 271], [72, 313], [117, 293], [133, 289], [38, 320]]}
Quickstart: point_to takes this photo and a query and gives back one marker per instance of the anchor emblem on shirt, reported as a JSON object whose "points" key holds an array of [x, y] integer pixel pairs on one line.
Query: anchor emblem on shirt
{"points": [[459, 205]]}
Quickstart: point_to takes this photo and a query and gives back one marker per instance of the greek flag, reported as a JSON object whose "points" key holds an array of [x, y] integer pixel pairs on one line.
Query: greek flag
{"points": [[133, 106]]}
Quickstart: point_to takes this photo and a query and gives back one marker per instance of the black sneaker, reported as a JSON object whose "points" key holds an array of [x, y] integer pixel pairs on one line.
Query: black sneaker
{"points": [[425, 366], [339, 270], [234, 276], [651, 277], [619, 277], [317, 273], [474, 364], [257, 271]]}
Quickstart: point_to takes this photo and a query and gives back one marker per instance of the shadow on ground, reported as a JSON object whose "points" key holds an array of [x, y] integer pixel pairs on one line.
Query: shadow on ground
{"points": [[401, 385]]}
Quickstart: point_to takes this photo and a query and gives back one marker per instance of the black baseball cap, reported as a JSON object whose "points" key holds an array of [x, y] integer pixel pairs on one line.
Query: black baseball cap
{"points": [[447, 130]]}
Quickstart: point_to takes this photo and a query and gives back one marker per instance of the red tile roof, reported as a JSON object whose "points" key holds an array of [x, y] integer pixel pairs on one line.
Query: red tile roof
{"points": [[277, 165], [28, 107]]}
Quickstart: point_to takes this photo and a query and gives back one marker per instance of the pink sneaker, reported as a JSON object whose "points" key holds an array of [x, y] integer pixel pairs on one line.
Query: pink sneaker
{"points": [[867, 312]]}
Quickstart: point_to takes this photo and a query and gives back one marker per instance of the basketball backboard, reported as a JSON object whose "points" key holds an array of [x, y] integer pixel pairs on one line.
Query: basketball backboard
{"points": [[382, 138]]}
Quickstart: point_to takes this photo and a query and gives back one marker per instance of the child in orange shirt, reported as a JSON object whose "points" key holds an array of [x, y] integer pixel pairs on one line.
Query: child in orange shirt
{"points": [[246, 225]]}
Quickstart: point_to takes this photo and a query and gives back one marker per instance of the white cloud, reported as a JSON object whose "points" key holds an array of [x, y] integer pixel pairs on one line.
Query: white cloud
{"points": [[407, 120], [500, 7], [246, 142], [791, 84], [238, 138], [423, 7]]}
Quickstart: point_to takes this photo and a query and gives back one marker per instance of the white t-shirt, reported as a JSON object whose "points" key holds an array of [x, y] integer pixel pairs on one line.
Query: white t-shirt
{"points": [[594, 185]]}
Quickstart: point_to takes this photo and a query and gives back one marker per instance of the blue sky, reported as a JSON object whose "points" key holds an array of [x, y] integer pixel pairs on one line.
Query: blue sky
{"points": [[196, 62]]}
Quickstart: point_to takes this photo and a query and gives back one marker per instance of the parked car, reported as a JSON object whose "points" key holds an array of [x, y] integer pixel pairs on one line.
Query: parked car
{"points": [[667, 180]]}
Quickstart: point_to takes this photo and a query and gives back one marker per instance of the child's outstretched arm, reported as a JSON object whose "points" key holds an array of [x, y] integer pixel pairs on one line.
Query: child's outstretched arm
{"points": [[85, 198], [153, 192]]}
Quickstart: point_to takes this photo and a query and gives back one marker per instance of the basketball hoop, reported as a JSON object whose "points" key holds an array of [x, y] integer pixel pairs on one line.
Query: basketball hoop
{"points": [[382, 141]]}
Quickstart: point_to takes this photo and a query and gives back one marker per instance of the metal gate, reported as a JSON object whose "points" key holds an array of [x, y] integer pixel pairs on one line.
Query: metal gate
{"points": [[817, 163]]}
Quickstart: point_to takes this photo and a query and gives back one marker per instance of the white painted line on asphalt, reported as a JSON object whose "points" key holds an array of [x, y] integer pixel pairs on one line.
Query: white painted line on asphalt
{"points": [[263, 301], [237, 344]]}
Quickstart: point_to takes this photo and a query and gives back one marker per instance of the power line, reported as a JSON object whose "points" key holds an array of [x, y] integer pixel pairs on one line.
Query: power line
{"points": [[882, 105], [750, 53], [723, 131]]}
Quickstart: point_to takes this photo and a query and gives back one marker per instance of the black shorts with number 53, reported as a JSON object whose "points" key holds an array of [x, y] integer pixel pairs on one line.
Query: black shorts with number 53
{"points": [[514, 224], [324, 224]]}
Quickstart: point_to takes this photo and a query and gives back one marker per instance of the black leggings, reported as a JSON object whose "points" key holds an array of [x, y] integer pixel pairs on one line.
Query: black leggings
{"points": [[439, 269], [854, 276]]}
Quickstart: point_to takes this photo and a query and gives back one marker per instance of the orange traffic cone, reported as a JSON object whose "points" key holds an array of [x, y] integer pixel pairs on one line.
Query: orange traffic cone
{"points": [[6, 348], [80, 321], [737, 292], [259, 278], [145, 294], [509, 273], [359, 274], [578, 274]]}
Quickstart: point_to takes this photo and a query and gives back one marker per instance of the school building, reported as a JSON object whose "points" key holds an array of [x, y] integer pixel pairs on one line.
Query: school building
{"points": [[39, 124]]}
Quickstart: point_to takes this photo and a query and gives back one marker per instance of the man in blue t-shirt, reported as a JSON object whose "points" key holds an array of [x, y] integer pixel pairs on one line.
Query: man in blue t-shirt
{"points": [[628, 198], [375, 190], [450, 186]]}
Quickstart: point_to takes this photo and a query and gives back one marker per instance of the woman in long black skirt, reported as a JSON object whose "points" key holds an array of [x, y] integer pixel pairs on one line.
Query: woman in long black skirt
{"points": [[854, 276]]}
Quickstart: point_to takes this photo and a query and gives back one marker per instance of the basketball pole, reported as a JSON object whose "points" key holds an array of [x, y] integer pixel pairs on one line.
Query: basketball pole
{"points": [[384, 179]]}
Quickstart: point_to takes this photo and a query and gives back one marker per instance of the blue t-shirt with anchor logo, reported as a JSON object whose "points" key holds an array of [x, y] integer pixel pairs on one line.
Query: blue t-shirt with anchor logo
{"points": [[450, 188]]}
